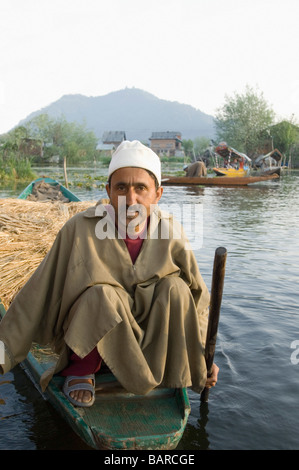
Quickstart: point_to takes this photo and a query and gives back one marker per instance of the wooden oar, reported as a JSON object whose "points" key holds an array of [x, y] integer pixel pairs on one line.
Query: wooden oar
{"points": [[216, 297]]}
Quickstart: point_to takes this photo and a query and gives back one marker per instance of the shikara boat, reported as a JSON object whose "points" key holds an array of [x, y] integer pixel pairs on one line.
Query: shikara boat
{"points": [[269, 163], [231, 172], [237, 164], [118, 420], [49, 189], [216, 181]]}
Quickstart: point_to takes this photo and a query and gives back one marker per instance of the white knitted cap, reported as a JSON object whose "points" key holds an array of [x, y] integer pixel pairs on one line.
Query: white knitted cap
{"points": [[135, 154]]}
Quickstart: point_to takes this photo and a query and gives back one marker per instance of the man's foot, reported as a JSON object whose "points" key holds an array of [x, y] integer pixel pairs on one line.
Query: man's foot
{"points": [[84, 396], [80, 390]]}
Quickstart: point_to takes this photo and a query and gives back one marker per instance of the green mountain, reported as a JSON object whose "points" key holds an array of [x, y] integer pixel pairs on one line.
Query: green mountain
{"points": [[132, 110]]}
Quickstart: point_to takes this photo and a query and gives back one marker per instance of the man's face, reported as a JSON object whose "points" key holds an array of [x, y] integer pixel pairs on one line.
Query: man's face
{"points": [[131, 187]]}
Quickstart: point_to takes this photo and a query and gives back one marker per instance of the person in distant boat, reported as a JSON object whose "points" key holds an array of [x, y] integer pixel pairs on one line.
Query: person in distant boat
{"points": [[195, 169], [115, 289]]}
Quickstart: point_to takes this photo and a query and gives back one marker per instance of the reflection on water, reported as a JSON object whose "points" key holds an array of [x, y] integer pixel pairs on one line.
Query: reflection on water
{"points": [[27, 421], [255, 403]]}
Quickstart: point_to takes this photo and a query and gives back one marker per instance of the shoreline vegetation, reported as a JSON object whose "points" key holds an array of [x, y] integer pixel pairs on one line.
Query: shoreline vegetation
{"points": [[14, 170]]}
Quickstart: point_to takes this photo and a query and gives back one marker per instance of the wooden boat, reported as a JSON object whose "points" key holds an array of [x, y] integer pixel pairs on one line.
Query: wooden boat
{"points": [[118, 420], [271, 171], [232, 158], [65, 194], [216, 181], [231, 172], [269, 163]]}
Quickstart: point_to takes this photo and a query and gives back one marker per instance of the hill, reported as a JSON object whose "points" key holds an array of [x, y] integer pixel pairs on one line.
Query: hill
{"points": [[132, 110]]}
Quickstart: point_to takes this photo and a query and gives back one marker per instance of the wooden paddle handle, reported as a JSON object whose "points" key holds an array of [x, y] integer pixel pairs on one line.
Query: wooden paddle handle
{"points": [[214, 314]]}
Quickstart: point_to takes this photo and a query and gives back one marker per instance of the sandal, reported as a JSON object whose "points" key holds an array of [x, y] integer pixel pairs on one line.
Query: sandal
{"points": [[79, 386]]}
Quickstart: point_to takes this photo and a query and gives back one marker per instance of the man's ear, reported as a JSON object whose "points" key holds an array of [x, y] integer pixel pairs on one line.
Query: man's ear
{"points": [[159, 193]]}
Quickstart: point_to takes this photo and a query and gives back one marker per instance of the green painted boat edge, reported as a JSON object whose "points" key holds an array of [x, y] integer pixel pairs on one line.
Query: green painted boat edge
{"points": [[104, 440], [66, 192], [94, 436], [58, 400]]}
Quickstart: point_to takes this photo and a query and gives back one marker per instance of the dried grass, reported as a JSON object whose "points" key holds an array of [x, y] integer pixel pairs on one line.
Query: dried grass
{"points": [[27, 232]]}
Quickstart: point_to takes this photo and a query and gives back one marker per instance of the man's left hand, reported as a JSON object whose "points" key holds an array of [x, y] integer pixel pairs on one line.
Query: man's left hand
{"points": [[212, 380]]}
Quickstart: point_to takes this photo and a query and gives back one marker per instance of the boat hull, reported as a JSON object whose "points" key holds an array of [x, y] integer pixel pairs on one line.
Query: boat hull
{"points": [[66, 192], [271, 171], [118, 420], [216, 181]]}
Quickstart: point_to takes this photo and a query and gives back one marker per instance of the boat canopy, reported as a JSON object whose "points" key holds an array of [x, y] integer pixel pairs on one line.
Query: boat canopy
{"points": [[225, 151], [275, 154]]}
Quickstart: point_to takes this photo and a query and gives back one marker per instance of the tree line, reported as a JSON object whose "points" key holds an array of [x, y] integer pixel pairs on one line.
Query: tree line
{"points": [[245, 121], [44, 137]]}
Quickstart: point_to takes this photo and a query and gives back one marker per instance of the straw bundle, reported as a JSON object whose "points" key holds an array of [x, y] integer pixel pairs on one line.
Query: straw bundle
{"points": [[27, 232]]}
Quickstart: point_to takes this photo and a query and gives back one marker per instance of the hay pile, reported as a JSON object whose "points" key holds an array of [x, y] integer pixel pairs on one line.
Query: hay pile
{"points": [[27, 232], [45, 192]]}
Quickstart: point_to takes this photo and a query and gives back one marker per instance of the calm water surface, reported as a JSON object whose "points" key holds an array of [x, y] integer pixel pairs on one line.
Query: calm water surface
{"points": [[255, 403]]}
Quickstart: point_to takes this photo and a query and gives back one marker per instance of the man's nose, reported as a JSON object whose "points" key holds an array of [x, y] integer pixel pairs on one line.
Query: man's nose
{"points": [[131, 197]]}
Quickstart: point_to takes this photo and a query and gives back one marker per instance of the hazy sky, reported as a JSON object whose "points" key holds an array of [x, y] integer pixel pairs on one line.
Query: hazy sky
{"points": [[190, 51]]}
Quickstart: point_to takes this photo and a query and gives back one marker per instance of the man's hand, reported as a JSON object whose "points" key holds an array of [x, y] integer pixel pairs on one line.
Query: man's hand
{"points": [[212, 380]]}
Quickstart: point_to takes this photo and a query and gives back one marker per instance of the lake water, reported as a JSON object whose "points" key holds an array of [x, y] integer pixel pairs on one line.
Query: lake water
{"points": [[255, 403]]}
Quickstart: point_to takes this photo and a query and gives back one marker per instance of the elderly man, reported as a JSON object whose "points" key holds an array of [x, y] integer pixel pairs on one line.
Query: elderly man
{"points": [[114, 288]]}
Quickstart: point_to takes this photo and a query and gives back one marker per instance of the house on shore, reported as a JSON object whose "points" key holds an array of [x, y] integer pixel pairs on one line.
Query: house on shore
{"points": [[110, 141], [114, 138], [167, 143]]}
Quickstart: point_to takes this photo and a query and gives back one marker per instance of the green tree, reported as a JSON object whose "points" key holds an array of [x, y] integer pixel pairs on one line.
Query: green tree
{"points": [[40, 127], [285, 137], [63, 138], [14, 162], [188, 148], [285, 134], [242, 119], [200, 144], [11, 142]]}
